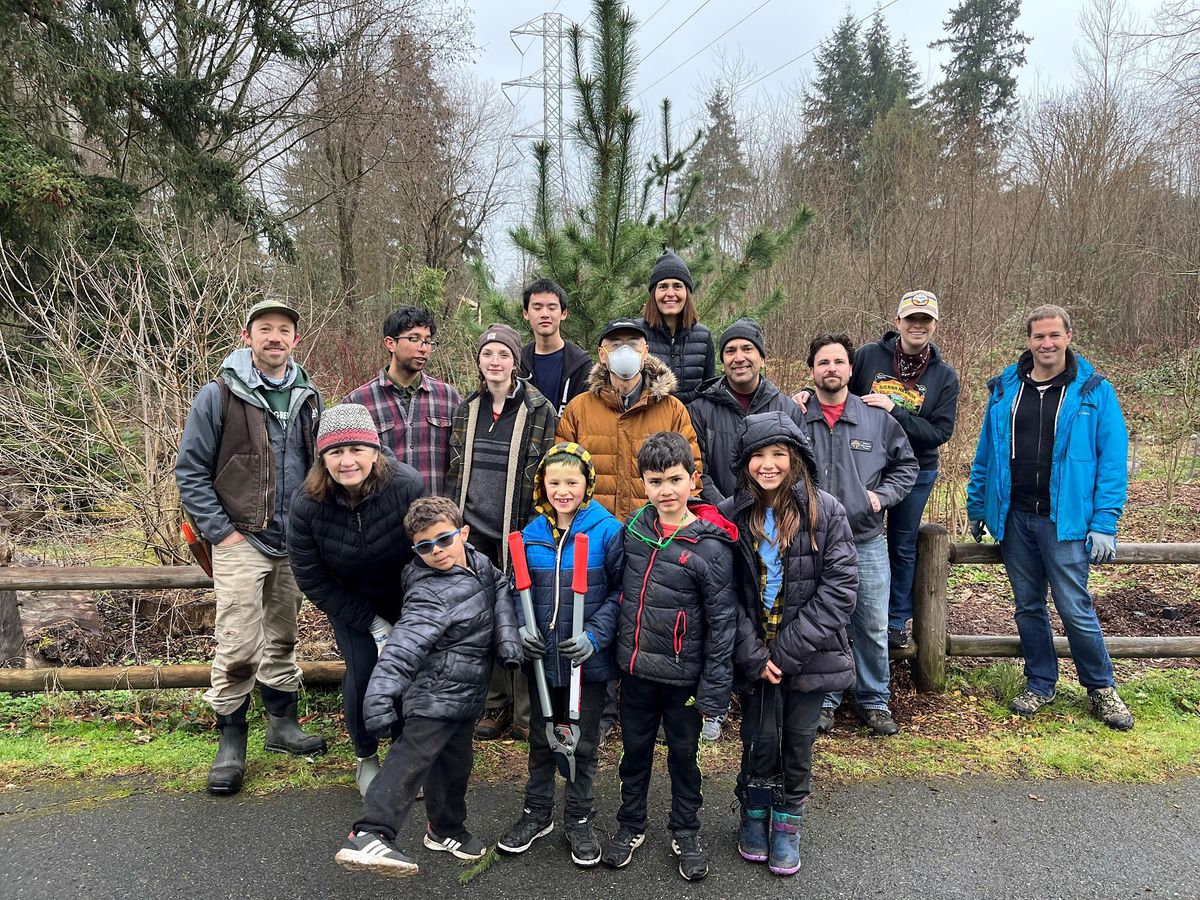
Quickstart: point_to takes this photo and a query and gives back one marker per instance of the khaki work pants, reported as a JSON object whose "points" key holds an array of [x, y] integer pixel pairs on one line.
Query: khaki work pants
{"points": [[258, 603]]}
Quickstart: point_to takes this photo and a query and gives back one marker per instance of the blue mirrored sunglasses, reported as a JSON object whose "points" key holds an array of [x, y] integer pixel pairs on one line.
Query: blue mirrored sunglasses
{"points": [[441, 542]]}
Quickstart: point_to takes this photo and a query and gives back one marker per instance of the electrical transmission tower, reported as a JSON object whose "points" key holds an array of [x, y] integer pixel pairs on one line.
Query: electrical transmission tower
{"points": [[552, 29]]}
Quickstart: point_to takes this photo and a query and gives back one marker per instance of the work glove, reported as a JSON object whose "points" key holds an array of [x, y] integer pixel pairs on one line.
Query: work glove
{"points": [[578, 648], [380, 630], [977, 530], [1103, 547], [533, 644]]}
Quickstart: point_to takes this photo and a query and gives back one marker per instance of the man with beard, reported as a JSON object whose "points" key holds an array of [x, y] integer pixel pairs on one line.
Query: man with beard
{"points": [[557, 367], [865, 461], [413, 411]]}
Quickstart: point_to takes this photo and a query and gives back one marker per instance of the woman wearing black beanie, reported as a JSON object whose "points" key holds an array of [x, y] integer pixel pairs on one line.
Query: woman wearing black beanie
{"points": [[672, 327]]}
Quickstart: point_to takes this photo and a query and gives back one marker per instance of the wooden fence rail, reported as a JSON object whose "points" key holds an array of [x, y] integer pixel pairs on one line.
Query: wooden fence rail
{"points": [[928, 650]]}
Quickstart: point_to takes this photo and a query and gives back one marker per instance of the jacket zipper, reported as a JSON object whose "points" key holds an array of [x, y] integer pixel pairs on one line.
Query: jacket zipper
{"points": [[677, 635], [267, 513], [637, 630]]}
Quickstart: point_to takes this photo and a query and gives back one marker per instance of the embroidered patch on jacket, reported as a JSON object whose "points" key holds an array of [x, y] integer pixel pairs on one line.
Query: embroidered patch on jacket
{"points": [[864, 446]]}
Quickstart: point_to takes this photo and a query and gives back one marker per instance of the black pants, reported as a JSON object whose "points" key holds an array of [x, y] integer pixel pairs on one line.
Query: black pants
{"points": [[433, 752], [539, 789], [644, 704], [358, 650], [778, 730]]}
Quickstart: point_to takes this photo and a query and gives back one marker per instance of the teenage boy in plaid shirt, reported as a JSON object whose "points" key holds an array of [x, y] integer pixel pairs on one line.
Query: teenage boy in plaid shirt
{"points": [[412, 410]]}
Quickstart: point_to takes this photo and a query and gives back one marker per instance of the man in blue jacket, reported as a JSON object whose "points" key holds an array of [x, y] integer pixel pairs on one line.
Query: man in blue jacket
{"points": [[1049, 482]]}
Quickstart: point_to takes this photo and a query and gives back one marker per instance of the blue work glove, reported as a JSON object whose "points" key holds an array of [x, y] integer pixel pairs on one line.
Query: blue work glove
{"points": [[380, 630], [579, 648], [977, 530], [534, 645], [1103, 547]]}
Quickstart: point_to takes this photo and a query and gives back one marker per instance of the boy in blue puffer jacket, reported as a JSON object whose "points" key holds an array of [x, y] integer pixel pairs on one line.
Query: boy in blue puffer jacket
{"points": [[562, 496]]}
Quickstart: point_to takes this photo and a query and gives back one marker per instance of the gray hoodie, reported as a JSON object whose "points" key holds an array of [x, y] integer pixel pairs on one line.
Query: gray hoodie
{"points": [[195, 469]]}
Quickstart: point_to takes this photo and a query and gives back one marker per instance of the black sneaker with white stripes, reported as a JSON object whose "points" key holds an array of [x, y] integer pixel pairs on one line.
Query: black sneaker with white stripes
{"points": [[464, 846], [371, 851], [524, 832]]}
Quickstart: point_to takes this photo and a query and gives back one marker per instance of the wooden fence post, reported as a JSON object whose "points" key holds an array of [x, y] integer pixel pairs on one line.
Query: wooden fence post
{"points": [[929, 607], [12, 637]]}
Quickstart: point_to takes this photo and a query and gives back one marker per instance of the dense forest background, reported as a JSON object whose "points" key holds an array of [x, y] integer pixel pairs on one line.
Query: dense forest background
{"points": [[165, 162]]}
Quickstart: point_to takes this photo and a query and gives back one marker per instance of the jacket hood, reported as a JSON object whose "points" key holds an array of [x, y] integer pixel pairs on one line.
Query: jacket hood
{"points": [[555, 454], [717, 390], [710, 522], [240, 366], [890, 338], [658, 381], [574, 359], [763, 429]]}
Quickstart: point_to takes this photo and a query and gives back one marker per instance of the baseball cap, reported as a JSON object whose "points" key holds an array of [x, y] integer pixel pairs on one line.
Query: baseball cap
{"points": [[263, 307], [918, 302], [617, 325]]}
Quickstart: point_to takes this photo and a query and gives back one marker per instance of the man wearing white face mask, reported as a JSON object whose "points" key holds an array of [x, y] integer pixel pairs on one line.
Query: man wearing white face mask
{"points": [[629, 396]]}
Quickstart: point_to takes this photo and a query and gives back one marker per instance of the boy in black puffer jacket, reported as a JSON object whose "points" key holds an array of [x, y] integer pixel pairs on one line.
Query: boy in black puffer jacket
{"points": [[674, 645], [457, 613]]}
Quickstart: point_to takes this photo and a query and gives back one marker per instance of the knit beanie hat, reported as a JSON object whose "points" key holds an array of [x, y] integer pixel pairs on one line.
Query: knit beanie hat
{"points": [[499, 334], [349, 423], [670, 266], [745, 329]]}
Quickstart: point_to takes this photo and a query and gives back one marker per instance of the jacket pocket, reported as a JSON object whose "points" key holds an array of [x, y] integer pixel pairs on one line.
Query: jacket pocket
{"points": [[679, 633], [439, 421]]}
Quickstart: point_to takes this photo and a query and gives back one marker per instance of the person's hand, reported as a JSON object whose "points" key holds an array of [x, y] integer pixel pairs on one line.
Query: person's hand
{"points": [[800, 398], [879, 401], [380, 726], [578, 649], [977, 530], [380, 630], [533, 644], [1103, 547], [772, 673], [876, 506], [236, 538]]}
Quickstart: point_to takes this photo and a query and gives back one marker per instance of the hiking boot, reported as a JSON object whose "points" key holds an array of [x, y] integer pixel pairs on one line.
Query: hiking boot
{"points": [[585, 843], [752, 836], [607, 727], [1109, 708], [525, 831], [493, 724], [897, 638], [284, 734], [519, 731], [619, 850], [785, 843], [693, 861], [465, 846], [880, 722], [365, 770], [372, 852], [229, 766], [825, 720], [1027, 703], [711, 729]]}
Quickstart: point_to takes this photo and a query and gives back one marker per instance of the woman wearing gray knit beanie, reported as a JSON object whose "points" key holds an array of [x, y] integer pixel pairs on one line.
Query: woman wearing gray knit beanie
{"points": [[347, 545], [672, 328]]}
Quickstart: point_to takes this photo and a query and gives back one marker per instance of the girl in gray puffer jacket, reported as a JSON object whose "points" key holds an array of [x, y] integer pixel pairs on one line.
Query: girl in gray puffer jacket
{"points": [[798, 570]]}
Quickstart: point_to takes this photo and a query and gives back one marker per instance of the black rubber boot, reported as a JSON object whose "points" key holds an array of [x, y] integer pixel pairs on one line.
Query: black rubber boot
{"points": [[229, 767], [284, 734]]}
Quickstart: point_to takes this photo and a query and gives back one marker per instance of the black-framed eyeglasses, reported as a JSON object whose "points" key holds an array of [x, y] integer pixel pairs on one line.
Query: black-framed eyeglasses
{"points": [[416, 341], [441, 542]]}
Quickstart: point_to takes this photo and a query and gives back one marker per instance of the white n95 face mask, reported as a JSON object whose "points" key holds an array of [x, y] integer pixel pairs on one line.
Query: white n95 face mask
{"points": [[625, 362]]}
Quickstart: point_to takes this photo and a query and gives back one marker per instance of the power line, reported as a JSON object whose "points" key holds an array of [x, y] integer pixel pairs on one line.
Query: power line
{"points": [[655, 13], [706, 46], [677, 27]]}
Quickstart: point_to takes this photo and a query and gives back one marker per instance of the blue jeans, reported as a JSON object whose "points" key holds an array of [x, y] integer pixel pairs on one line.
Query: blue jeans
{"points": [[868, 629], [1035, 559], [903, 523]]}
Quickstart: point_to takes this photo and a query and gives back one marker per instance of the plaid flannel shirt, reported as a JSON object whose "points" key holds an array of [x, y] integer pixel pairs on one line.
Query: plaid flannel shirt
{"points": [[418, 429]]}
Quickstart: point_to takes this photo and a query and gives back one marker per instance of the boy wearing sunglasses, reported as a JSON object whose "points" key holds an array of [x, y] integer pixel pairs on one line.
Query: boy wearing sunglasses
{"points": [[458, 615], [674, 645]]}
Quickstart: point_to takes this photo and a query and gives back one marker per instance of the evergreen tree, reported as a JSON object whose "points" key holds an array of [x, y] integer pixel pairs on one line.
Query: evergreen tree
{"points": [[978, 95], [837, 110], [888, 71], [722, 191], [602, 253]]}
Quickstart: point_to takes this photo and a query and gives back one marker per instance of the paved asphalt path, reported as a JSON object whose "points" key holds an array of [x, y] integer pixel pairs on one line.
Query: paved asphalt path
{"points": [[954, 838]]}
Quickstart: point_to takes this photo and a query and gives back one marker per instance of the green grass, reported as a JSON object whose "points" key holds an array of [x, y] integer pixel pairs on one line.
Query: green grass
{"points": [[165, 738]]}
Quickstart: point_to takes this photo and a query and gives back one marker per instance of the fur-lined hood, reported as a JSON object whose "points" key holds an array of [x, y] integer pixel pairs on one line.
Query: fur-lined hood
{"points": [[658, 382]]}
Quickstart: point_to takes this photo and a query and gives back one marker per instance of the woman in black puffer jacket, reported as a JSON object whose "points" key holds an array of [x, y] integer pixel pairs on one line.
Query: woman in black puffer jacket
{"points": [[347, 545], [672, 328], [798, 571]]}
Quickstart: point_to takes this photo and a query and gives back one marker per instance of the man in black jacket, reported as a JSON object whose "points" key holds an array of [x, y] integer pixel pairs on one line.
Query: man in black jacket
{"points": [[557, 367]]}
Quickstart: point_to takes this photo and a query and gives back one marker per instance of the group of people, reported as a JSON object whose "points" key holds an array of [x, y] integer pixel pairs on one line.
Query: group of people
{"points": [[737, 539]]}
